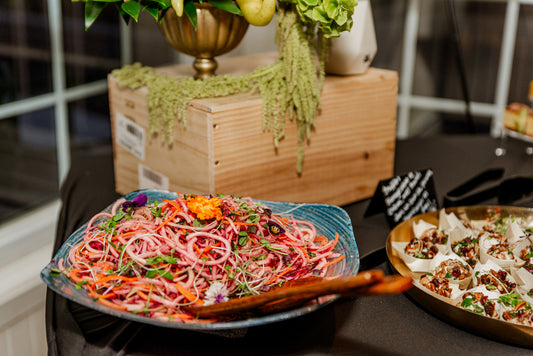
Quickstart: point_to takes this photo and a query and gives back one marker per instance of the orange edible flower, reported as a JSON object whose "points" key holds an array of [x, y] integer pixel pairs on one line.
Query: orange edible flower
{"points": [[205, 208]]}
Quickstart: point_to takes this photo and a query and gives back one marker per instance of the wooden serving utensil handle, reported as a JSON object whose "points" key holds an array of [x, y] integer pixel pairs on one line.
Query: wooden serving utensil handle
{"points": [[298, 293], [389, 285]]}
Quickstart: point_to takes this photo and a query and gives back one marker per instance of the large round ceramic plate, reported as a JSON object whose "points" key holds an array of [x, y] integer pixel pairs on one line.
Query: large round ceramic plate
{"points": [[328, 220], [478, 324]]}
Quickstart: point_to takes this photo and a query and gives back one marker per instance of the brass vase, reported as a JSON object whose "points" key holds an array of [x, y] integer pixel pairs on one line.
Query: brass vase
{"points": [[217, 33]]}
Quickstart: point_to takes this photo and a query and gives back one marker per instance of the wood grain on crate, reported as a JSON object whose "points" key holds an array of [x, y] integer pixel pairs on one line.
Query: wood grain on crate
{"points": [[223, 149]]}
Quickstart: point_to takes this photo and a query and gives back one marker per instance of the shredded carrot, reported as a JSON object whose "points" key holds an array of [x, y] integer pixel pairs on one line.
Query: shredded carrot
{"points": [[73, 274], [141, 294], [335, 242], [209, 248], [197, 249], [284, 272], [126, 234], [304, 252], [98, 295], [284, 220], [173, 203], [322, 240], [191, 297], [167, 220], [106, 278], [182, 316], [334, 261]]}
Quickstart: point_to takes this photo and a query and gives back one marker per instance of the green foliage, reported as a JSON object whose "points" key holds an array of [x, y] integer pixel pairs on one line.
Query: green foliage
{"points": [[290, 87], [331, 16], [131, 9]]}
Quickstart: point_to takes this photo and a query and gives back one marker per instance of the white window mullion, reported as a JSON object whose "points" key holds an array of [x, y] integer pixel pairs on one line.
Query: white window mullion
{"points": [[408, 65], [59, 84], [126, 52], [505, 66]]}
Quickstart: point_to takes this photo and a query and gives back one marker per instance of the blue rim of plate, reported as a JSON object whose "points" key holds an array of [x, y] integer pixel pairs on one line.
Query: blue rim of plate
{"points": [[328, 219]]}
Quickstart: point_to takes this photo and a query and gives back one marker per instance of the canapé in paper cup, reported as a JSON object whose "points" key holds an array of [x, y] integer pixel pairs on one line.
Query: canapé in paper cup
{"points": [[514, 233], [439, 258], [482, 268], [420, 227], [455, 291], [491, 296], [523, 277], [505, 263], [517, 249], [413, 263]]}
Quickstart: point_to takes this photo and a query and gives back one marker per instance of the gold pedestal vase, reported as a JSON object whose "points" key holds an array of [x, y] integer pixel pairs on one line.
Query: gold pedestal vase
{"points": [[217, 33]]}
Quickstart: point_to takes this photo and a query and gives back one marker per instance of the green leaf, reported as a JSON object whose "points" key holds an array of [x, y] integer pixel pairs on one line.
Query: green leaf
{"points": [[155, 14], [81, 283], [151, 273], [155, 272], [467, 302], [253, 218], [190, 11], [161, 4], [113, 245], [161, 7], [260, 257], [160, 259], [156, 211], [243, 238], [119, 216], [132, 8], [93, 9], [265, 243], [54, 272], [511, 299], [123, 14], [478, 309], [166, 274], [226, 5]]}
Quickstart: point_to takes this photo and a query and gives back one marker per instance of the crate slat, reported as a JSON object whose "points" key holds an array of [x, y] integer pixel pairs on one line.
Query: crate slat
{"points": [[223, 148]]}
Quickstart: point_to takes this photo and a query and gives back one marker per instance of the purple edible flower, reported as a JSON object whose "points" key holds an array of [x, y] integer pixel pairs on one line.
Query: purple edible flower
{"points": [[275, 228], [137, 202]]}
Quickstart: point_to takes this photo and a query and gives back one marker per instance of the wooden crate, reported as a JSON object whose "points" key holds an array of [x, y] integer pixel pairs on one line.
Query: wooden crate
{"points": [[223, 148]]}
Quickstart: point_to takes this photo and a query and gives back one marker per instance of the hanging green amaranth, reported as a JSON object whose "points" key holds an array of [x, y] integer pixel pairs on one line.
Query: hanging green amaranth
{"points": [[290, 87]]}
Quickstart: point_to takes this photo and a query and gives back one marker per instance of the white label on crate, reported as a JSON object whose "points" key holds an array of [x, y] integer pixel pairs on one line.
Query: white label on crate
{"points": [[150, 179], [130, 135]]}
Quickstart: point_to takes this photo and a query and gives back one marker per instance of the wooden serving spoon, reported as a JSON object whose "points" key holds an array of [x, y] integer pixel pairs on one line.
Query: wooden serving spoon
{"points": [[300, 291]]}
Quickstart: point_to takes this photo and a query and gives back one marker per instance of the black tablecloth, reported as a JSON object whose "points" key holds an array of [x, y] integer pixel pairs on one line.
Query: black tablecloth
{"points": [[366, 325]]}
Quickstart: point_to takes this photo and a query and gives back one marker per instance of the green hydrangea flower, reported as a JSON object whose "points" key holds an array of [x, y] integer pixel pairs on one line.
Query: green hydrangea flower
{"points": [[331, 16]]}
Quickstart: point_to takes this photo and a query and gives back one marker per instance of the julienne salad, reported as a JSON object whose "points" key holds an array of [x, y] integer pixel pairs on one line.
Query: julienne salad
{"points": [[484, 266], [156, 258]]}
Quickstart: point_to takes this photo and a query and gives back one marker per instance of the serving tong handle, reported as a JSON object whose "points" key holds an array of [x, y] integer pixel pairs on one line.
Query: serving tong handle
{"points": [[297, 292]]}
